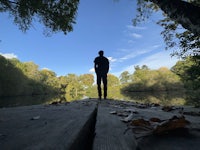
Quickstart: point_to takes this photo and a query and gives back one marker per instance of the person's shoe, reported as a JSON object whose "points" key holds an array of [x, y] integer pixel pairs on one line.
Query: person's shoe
{"points": [[99, 98], [104, 97]]}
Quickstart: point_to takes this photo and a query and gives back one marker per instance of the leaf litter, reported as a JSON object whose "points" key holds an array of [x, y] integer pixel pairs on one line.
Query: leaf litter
{"points": [[153, 126]]}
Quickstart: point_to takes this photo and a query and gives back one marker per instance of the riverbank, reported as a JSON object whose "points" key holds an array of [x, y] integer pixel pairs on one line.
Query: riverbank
{"points": [[99, 125]]}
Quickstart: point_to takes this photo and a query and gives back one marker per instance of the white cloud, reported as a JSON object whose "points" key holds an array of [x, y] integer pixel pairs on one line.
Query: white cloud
{"points": [[131, 42], [133, 54], [91, 70], [46, 69], [9, 55], [155, 61], [111, 59], [156, 46], [136, 35], [131, 27]]}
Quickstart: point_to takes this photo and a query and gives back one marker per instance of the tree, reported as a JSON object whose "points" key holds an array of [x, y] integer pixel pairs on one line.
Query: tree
{"points": [[145, 79], [178, 14], [125, 77], [113, 80], [17, 78], [189, 71], [49, 77], [185, 13], [87, 79], [113, 87], [56, 15], [30, 69]]}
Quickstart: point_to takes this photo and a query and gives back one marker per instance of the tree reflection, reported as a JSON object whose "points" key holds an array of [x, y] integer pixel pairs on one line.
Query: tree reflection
{"points": [[162, 98]]}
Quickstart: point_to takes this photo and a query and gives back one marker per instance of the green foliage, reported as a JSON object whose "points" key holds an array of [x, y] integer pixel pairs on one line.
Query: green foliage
{"points": [[75, 88], [112, 80], [92, 91], [19, 78], [55, 15], [11, 79], [125, 77], [145, 79], [48, 77], [87, 79], [184, 42], [189, 71]]}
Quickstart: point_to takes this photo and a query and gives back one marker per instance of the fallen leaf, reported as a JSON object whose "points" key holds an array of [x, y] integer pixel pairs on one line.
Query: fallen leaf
{"points": [[113, 112], [128, 118], [140, 122], [122, 114], [171, 124], [35, 118], [155, 119], [167, 108]]}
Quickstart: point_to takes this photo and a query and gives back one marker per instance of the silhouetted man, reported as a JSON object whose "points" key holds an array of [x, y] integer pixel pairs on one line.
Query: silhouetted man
{"points": [[101, 66]]}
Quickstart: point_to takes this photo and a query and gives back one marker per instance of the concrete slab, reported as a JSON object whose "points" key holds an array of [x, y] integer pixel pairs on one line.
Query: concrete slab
{"points": [[71, 126], [53, 127], [107, 128], [110, 131]]}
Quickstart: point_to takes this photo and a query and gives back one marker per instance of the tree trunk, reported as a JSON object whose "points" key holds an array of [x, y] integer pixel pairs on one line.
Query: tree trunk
{"points": [[186, 14]]}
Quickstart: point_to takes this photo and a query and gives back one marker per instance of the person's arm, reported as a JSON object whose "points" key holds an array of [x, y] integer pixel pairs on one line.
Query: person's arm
{"points": [[107, 69], [95, 65]]}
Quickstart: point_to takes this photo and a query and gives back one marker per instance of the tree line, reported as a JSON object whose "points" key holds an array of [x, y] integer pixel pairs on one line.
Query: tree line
{"points": [[25, 78]]}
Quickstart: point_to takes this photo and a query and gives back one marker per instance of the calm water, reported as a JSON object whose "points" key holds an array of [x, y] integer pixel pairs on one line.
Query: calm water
{"points": [[163, 98], [26, 100]]}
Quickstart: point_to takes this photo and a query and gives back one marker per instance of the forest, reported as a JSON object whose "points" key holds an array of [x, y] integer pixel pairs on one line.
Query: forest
{"points": [[25, 78]]}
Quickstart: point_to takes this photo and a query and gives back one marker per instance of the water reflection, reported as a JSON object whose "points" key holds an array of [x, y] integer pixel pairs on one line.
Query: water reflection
{"points": [[27, 100], [162, 98]]}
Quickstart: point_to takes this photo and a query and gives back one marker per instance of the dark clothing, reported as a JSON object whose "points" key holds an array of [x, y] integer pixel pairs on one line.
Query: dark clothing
{"points": [[102, 77], [101, 66]]}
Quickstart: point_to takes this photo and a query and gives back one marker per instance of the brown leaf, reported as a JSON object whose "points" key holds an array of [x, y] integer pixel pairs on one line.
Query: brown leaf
{"points": [[140, 122], [171, 124], [155, 119], [167, 108]]}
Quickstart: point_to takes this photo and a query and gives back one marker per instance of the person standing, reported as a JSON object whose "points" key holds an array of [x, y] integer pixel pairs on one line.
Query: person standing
{"points": [[101, 67]]}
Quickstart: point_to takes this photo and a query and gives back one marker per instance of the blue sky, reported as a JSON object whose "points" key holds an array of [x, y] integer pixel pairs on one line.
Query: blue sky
{"points": [[100, 25]]}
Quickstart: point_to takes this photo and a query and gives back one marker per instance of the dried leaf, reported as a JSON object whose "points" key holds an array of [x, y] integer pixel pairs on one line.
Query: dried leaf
{"points": [[35, 118], [122, 114], [140, 122], [167, 108], [155, 119], [128, 119], [171, 124], [113, 112]]}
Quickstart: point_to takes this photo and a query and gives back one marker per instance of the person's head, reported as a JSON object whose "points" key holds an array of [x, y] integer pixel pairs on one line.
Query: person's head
{"points": [[100, 53]]}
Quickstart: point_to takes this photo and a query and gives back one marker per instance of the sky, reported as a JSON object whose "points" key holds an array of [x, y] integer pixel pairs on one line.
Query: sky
{"points": [[100, 25]]}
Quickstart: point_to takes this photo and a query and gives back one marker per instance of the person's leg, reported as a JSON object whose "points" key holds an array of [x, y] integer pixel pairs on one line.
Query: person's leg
{"points": [[99, 85], [105, 85]]}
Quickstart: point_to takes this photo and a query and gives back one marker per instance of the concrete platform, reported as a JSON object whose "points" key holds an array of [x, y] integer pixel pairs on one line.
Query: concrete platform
{"points": [[50, 127], [109, 128], [110, 131], [90, 124]]}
